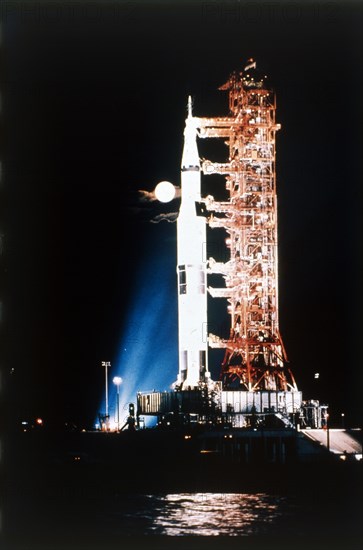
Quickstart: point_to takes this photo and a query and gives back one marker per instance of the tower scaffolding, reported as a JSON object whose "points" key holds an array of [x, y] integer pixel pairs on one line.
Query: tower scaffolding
{"points": [[255, 358]]}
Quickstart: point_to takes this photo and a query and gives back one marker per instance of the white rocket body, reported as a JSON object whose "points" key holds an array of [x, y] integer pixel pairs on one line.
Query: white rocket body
{"points": [[191, 269]]}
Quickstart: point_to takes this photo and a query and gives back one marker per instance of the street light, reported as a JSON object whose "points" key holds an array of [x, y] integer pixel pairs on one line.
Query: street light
{"points": [[106, 364], [117, 380]]}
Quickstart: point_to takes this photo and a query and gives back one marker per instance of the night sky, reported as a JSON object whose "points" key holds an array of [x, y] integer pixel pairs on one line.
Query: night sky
{"points": [[93, 108]]}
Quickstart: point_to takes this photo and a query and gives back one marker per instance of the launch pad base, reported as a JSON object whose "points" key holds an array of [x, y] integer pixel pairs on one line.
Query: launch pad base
{"points": [[238, 409]]}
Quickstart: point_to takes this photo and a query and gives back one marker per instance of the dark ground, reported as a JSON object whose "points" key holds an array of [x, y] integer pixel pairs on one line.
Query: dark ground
{"points": [[73, 490]]}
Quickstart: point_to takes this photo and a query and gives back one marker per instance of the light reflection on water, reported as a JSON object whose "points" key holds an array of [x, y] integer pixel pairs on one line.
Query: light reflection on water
{"points": [[215, 514], [210, 514]]}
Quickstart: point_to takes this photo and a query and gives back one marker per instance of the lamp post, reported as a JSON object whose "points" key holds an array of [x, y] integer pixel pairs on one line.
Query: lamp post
{"points": [[106, 364], [343, 418], [117, 380]]}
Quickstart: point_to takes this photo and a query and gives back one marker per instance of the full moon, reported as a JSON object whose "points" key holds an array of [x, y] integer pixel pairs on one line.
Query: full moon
{"points": [[164, 191]]}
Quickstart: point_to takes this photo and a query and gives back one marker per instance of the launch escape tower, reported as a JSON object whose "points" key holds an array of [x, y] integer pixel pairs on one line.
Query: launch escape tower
{"points": [[255, 380]]}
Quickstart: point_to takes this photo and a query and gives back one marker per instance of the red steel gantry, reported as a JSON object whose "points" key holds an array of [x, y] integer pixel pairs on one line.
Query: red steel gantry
{"points": [[255, 358]]}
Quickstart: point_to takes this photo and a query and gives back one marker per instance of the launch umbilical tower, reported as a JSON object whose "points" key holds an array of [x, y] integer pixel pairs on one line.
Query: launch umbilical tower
{"points": [[255, 358]]}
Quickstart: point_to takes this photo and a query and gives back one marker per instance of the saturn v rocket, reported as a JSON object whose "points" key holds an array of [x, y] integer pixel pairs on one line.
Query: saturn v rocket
{"points": [[191, 268]]}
